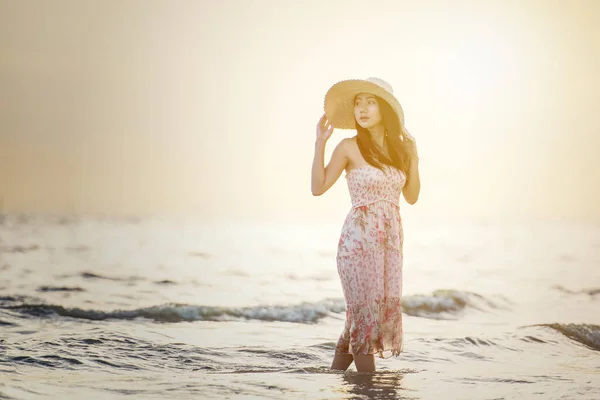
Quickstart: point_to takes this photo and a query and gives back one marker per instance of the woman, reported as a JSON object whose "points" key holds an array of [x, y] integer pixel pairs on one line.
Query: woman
{"points": [[381, 163]]}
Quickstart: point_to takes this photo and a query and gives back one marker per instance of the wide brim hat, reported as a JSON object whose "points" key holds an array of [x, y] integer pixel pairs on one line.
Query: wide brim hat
{"points": [[339, 100]]}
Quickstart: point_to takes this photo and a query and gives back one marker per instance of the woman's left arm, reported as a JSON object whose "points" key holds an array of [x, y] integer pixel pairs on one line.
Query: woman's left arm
{"points": [[412, 188]]}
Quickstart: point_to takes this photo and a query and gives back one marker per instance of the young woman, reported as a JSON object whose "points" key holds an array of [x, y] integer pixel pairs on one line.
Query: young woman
{"points": [[381, 163]]}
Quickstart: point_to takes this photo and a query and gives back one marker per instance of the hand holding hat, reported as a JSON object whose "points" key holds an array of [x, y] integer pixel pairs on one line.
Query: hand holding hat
{"points": [[411, 144], [324, 129]]}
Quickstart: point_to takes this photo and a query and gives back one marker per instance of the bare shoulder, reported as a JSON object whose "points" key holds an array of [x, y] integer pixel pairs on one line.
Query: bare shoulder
{"points": [[352, 153], [347, 141], [344, 146], [351, 146]]}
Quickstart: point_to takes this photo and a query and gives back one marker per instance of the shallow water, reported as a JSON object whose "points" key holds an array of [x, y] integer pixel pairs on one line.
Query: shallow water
{"points": [[108, 308]]}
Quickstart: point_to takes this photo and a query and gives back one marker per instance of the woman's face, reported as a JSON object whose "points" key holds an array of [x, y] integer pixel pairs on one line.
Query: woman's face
{"points": [[366, 110]]}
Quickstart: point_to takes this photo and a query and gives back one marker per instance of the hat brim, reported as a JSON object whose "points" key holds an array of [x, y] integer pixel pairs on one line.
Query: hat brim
{"points": [[339, 102]]}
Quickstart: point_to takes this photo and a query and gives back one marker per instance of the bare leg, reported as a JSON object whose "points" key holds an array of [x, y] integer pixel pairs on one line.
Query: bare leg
{"points": [[365, 363], [341, 361]]}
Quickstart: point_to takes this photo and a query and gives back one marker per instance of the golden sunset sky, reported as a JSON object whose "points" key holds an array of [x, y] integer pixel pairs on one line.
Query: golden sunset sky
{"points": [[209, 108]]}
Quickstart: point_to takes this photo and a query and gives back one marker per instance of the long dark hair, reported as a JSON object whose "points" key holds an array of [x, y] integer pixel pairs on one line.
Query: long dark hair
{"points": [[394, 144]]}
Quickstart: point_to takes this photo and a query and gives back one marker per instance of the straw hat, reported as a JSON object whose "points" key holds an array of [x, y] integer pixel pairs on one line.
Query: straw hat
{"points": [[339, 100]]}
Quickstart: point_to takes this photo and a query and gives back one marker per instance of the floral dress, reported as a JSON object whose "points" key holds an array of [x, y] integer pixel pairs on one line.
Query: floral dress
{"points": [[369, 263]]}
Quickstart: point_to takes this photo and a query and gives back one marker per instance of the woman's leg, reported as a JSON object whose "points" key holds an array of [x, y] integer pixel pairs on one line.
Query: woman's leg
{"points": [[365, 363], [341, 361]]}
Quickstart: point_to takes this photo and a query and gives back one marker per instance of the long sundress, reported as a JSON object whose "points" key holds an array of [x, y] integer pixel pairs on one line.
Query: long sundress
{"points": [[369, 263]]}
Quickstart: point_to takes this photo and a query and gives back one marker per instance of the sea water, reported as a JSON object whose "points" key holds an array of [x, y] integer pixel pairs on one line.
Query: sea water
{"points": [[105, 308]]}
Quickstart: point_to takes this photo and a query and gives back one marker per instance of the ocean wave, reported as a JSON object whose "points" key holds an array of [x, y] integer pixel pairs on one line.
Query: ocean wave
{"points": [[441, 304], [60, 289], [5, 397], [448, 303], [590, 291], [91, 275], [303, 313], [19, 248], [587, 334], [48, 360]]}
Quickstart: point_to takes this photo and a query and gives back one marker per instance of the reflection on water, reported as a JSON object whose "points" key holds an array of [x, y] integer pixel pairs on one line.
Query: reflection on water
{"points": [[378, 385]]}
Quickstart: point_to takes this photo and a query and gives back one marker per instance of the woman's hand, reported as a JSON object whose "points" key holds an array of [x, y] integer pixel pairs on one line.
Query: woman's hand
{"points": [[324, 129], [410, 143]]}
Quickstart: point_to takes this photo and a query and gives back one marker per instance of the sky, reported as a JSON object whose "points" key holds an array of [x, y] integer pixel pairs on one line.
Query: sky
{"points": [[209, 109]]}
